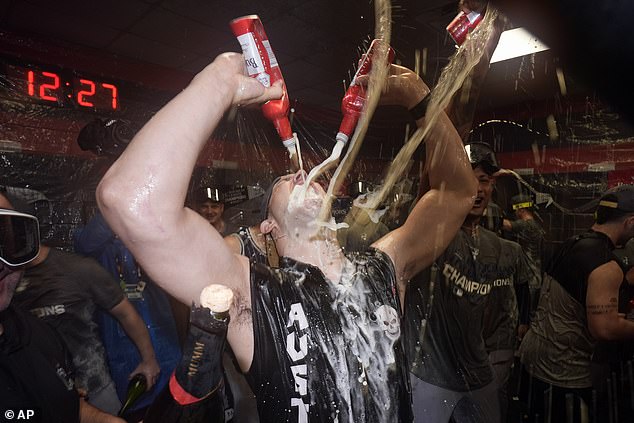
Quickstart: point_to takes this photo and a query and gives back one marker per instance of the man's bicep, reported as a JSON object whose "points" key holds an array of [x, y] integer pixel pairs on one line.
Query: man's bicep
{"points": [[190, 258], [424, 236], [602, 296]]}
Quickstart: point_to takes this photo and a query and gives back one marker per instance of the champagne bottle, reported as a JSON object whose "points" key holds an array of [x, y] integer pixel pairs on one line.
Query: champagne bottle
{"points": [[194, 392], [136, 387]]}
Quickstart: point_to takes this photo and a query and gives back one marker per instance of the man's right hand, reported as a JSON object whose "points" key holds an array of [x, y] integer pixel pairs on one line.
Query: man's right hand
{"points": [[230, 67], [403, 87]]}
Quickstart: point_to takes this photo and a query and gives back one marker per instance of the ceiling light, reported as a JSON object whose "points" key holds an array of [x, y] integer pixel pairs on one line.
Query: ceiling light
{"points": [[515, 43]]}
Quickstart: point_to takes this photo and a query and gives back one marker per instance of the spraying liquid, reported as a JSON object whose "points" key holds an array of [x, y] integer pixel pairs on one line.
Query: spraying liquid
{"points": [[352, 106], [452, 78], [262, 65], [377, 76]]}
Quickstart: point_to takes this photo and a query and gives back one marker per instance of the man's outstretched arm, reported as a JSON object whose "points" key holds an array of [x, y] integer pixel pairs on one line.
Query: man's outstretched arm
{"points": [[142, 195]]}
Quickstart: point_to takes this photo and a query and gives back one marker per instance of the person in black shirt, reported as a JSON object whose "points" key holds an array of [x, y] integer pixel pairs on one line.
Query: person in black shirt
{"points": [[36, 373], [578, 306], [526, 230]]}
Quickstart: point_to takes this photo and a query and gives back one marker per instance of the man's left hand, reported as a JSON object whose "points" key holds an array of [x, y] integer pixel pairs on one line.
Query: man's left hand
{"points": [[150, 369]]}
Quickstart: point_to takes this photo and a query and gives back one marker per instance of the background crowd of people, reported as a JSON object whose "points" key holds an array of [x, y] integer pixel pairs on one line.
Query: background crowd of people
{"points": [[442, 305]]}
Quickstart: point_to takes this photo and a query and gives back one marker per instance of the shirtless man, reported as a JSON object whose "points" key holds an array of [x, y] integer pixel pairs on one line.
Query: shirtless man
{"points": [[318, 337]]}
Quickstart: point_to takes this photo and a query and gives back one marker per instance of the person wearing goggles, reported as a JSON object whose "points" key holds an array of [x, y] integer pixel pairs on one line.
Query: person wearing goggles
{"points": [[36, 374], [19, 244]]}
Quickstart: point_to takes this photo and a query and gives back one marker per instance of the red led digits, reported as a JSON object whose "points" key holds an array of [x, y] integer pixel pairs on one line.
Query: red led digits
{"points": [[47, 90], [86, 93], [50, 88], [114, 94], [30, 83], [55, 87]]}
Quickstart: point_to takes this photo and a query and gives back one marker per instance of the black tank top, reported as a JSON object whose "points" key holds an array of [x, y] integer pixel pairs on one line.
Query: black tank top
{"points": [[248, 247], [326, 352]]}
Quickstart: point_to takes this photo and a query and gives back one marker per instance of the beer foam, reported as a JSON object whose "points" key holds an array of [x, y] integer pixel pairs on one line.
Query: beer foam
{"points": [[217, 298]]}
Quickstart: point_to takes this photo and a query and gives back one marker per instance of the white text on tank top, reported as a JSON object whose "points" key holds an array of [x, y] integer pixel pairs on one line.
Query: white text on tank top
{"points": [[297, 338]]}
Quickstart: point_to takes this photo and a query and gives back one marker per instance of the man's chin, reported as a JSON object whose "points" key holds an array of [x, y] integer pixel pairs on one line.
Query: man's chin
{"points": [[477, 211]]}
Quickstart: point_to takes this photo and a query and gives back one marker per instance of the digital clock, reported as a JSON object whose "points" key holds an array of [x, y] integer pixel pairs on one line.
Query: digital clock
{"points": [[63, 88]]}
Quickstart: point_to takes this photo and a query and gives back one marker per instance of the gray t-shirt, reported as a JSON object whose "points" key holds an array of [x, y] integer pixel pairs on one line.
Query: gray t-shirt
{"points": [[64, 290], [444, 312], [530, 236], [501, 316], [558, 347]]}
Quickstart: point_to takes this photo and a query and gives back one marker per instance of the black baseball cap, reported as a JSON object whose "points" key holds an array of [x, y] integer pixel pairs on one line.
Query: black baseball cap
{"points": [[619, 198], [19, 237], [481, 154]]}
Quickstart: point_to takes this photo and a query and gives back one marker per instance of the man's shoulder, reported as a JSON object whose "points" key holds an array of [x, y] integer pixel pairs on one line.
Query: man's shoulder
{"points": [[512, 245], [72, 260], [588, 243]]}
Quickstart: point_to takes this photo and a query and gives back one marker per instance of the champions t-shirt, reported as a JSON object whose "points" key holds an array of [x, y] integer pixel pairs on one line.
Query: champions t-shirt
{"points": [[444, 310], [502, 314], [328, 352]]}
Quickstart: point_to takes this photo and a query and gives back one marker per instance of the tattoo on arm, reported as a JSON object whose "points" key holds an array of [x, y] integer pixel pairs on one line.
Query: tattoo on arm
{"points": [[597, 309]]}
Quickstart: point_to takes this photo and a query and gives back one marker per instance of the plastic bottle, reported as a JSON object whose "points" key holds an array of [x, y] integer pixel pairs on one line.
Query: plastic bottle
{"points": [[262, 65], [354, 99], [462, 24], [195, 390], [136, 387]]}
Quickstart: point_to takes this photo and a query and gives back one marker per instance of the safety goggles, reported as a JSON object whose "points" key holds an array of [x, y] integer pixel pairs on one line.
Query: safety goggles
{"points": [[19, 237]]}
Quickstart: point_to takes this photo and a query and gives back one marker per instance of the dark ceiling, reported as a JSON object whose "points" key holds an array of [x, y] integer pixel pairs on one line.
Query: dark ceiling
{"points": [[317, 42]]}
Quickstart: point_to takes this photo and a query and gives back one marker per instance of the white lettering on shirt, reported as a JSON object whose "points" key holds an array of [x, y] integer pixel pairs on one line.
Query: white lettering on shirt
{"points": [[459, 280], [52, 310], [297, 350]]}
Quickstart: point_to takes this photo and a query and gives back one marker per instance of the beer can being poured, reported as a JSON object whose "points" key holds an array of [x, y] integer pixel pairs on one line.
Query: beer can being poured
{"points": [[462, 24]]}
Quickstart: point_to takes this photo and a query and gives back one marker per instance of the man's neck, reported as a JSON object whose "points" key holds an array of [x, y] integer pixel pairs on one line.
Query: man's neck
{"points": [[321, 250], [609, 230], [471, 222], [220, 226]]}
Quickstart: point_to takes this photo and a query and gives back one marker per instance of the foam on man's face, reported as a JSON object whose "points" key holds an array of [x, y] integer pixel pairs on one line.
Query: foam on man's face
{"points": [[294, 203]]}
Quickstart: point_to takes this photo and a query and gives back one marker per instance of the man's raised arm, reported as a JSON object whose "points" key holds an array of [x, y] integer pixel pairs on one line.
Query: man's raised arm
{"points": [[142, 195], [439, 213]]}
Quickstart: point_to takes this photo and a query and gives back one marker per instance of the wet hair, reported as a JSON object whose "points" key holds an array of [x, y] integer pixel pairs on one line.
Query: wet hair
{"points": [[18, 203]]}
